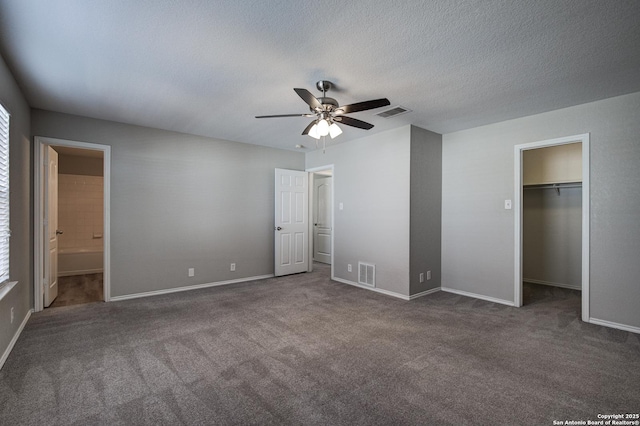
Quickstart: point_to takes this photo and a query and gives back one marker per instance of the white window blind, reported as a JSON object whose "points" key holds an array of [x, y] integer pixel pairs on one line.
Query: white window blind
{"points": [[4, 196]]}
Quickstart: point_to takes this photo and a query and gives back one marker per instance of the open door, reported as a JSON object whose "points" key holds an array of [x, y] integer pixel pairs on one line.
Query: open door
{"points": [[291, 222], [322, 225], [51, 226]]}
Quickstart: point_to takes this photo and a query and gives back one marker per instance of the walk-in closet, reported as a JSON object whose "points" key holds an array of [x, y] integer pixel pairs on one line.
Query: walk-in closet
{"points": [[552, 223]]}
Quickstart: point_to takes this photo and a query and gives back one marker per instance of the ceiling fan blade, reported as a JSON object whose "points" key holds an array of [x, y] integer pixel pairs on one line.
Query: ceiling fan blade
{"points": [[306, 129], [363, 106], [285, 115], [353, 122], [309, 98]]}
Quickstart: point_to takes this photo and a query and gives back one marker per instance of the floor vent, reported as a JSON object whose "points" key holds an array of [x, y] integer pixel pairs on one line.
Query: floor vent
{"points": [[397, 110], [367, 274]]}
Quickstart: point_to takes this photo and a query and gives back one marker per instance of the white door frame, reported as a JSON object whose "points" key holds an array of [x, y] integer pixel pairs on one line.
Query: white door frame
{"points": [[38, 208], [333, 208], [518, 154]]}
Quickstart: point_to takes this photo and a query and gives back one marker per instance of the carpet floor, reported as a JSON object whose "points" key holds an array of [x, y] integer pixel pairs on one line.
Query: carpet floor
{"points": [[306, 350], [79, 289]]}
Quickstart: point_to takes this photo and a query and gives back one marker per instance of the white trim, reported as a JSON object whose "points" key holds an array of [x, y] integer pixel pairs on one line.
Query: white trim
{"points": [[552, 284], [40, 142], [477, 296], [189, 287], [367, 287], [586, 226], [5, 288], [13, 341], [518, 149], [624, 327], [424, 293]]}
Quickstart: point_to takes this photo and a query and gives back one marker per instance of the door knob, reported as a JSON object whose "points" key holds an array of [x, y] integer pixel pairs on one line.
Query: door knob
{"points": [[278, 228], [58, 232]]}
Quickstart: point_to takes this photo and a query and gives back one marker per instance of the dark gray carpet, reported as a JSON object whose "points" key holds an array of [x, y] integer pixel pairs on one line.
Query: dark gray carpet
{"points": [[305, 350], [79, 289]]}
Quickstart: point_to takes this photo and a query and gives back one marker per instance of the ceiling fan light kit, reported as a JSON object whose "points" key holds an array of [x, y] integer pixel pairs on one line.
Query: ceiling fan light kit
{"points": [[323, 127], [313, 132], [327, 112], [334, 130]]}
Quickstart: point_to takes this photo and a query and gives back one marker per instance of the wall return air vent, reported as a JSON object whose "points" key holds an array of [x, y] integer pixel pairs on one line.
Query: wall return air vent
{"points": [[367, 274], [392, 112]]}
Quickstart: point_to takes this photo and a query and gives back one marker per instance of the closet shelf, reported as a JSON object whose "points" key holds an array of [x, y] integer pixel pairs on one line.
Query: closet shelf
{"points": [[556, 186]]}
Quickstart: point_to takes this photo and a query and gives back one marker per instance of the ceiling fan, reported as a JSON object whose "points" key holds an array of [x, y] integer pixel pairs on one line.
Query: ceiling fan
{"points": [[326, 112]]}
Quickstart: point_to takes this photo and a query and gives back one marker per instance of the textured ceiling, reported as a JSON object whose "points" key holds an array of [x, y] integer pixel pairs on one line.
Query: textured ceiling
{"points": [[208, 67]]}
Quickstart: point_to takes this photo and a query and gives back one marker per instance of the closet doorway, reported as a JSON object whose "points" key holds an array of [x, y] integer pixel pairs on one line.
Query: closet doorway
{"points": [[321, 207], [552, 219]]}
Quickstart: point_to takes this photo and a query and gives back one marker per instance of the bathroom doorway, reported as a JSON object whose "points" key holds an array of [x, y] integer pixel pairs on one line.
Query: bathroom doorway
{"points": [[71, 223], [80, 227]]}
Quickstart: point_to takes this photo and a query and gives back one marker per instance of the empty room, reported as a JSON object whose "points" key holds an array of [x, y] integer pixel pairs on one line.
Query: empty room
{"points": [[319, 212]]}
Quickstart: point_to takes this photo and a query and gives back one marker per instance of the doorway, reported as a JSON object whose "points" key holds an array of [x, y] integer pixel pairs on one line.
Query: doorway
{"points": [[80, 227], [534, 173], [321, 208], [71, 223]]}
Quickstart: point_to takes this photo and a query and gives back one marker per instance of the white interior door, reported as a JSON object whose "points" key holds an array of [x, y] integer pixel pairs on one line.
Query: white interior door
{"points": [[51, 226], [322, 225], [291, 222]]}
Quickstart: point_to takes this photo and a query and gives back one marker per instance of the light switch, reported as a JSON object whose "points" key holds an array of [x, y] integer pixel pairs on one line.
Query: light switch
{"points": [[341, 206], [507, 204]]}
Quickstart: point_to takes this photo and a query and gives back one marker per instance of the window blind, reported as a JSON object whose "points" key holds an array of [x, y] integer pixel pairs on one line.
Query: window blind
{"points": [[5, 232]]}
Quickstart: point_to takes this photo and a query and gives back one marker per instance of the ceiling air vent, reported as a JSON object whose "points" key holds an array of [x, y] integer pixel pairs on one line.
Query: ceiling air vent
{"points": [[367, 274], [397, 110]]}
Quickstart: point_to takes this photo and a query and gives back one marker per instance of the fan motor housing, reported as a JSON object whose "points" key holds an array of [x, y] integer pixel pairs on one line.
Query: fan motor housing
{"points": [[328, 101]]}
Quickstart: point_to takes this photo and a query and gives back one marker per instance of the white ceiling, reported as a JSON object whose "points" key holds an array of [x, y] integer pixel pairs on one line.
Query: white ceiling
{"points": [[208, 67]]}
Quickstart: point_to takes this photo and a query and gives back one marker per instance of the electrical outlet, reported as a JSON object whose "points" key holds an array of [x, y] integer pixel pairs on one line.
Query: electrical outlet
{"points": [[428, 275], [12, 315], [421, 277], [349, 269], [192, 272], [232, 267]]}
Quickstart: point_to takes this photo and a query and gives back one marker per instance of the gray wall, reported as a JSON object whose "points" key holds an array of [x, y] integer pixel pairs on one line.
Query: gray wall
{"points": [[478, 234], [181, 201], [426, 209], [552, 236], [371, 179], [21, 249]]}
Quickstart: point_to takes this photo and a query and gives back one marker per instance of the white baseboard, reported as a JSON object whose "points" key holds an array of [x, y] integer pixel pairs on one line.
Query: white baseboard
{"points": [[478, 296], [13, 341], [424, 293], [187, 288], [623, 327], [377, 290], [552, 284]]}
